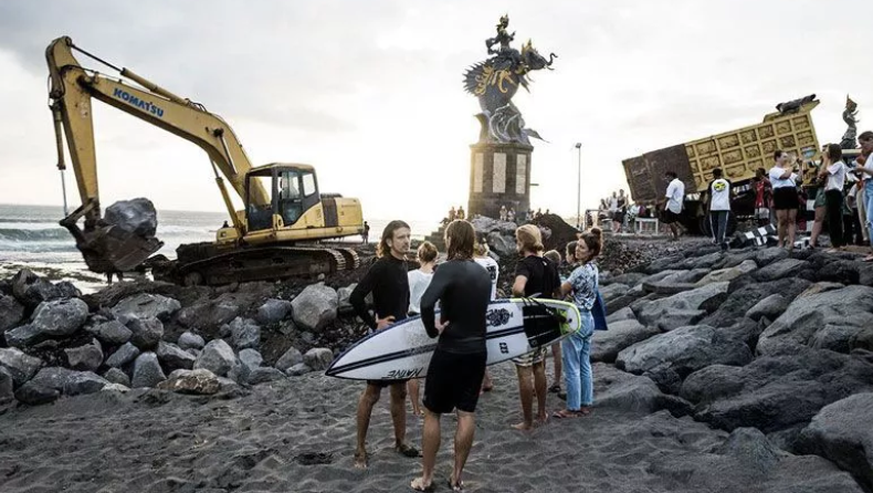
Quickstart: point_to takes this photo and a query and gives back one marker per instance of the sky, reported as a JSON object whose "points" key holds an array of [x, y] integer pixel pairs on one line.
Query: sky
{"points": [[370, 92]]}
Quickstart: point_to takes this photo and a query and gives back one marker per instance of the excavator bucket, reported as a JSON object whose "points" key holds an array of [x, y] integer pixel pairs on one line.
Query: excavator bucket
{"points": [[109, 249]]}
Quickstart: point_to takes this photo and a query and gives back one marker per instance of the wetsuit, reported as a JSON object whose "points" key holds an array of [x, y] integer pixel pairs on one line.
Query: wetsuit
{"points": [[387, 280], [457, 367]]}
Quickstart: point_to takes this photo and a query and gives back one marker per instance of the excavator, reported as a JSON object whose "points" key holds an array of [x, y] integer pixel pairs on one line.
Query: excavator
{"points": [[277, 235]]}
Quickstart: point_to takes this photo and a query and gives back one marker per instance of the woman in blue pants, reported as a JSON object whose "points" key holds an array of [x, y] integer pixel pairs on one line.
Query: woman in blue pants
{"points": [[864, 170], [576, 349]]}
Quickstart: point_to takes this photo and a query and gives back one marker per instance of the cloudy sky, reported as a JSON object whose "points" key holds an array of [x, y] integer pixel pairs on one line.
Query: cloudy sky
{"points": [[370, 91]]}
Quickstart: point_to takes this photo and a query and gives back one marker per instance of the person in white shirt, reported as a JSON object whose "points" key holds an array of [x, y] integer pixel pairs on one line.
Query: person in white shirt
{"points": [[783, 178], [866, 172], [673, 206], [419, 280], [481, 257], [719, 202], [834, 170]]}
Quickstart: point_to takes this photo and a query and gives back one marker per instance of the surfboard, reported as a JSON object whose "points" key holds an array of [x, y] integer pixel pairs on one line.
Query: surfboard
{"points": [[403, 350]]}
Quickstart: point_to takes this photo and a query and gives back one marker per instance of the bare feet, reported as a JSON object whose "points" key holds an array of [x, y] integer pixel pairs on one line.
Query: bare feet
{"points": [[361, 459], [542, 419], [523, 426], [418, 484]]}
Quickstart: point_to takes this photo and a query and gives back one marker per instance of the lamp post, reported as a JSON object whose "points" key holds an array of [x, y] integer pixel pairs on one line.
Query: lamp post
{"points": [[579, 187]]}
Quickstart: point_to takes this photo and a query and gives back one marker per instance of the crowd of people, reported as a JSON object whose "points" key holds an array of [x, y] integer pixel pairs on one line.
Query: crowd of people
{"points": [[461, 288]]}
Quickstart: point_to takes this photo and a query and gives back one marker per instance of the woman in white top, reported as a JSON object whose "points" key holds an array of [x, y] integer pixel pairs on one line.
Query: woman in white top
{"points": [[480, 256], [419, 280], [865, 171], [783, 178], [834, 170]]}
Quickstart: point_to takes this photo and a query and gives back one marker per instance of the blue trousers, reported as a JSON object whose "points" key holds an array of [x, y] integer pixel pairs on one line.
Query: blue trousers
{"points": [[868, 199], [576, 355]]}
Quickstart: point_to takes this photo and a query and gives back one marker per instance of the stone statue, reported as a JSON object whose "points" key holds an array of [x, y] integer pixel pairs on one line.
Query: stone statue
{"points": [[496, 80], [850, 116]]}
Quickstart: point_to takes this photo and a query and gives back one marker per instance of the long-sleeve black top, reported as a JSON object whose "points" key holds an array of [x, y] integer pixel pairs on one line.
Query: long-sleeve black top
{"points": [[389, 284], [463, 288]]}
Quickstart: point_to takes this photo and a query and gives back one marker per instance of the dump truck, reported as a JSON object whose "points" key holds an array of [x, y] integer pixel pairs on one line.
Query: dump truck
{"points": [[739, 153]]}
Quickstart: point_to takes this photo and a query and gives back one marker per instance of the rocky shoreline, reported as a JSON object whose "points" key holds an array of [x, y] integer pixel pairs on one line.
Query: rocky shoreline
{"points": [[755, 354]]}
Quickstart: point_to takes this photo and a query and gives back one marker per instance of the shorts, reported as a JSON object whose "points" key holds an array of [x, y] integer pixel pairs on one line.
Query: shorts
{"points": [[669, 217], [453, 381], [785, 198], [385, 383], [820, 198], [534, 357], [618, 217]]}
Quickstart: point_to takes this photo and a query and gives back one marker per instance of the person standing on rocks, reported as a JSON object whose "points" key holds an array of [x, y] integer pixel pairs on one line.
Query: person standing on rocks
{"points": [[763, 196], [583, 285], [534, 276], [675, 197], [865, 171], [834, 172], [457, 366], [387, 280], [719, 203], [784, 180], [419, 280], [365, 236], [489, 264]]}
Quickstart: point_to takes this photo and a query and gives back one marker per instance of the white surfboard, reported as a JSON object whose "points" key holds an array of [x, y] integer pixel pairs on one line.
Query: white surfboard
{"points": [[403, 350]]}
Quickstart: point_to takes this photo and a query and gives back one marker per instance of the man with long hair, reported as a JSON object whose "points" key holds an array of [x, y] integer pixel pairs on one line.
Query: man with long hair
{"points": [[457, 367], [387, 280]]}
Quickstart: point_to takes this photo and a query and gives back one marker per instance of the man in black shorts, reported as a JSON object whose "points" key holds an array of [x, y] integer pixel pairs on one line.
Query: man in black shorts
{"points": [[457, 367], [388, 281], [675, 198]]}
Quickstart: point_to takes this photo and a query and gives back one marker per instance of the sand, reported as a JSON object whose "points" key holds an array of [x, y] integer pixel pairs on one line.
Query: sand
{"points": [[298, 435]]}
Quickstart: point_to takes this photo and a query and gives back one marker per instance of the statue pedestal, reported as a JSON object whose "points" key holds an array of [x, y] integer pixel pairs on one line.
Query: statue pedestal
{"points": [[499, 176]]}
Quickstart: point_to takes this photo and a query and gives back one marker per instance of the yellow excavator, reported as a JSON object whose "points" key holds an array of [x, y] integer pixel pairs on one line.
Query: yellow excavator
{"points": [[276, 236]]}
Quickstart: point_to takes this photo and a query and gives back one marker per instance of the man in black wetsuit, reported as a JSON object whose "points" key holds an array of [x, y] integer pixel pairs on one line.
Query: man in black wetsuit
{"points": [[454, 376], [387, 280]]}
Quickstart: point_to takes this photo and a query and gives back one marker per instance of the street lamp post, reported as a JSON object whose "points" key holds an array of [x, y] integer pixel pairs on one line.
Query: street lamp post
{"points": [[579, 187]]}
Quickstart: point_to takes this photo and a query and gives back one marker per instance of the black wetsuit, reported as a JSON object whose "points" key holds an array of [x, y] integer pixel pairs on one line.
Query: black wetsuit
{"points": [[387, 280], [457, 367]]}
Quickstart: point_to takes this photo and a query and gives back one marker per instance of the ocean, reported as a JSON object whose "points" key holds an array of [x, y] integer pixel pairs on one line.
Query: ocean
{"points": [[30, 237]]}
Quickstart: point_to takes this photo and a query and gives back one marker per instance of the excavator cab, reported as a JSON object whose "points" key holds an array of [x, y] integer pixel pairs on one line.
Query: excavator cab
{"points": [[293, 189]]}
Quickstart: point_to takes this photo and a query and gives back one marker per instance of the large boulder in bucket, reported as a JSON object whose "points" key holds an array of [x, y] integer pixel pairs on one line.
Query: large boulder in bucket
{"points": [[136, 216]]}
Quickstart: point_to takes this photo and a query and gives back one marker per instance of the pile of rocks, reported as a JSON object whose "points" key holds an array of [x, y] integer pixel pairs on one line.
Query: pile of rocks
{"points": [[55, 343]]}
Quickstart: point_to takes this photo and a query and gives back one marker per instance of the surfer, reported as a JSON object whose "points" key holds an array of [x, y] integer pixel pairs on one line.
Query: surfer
{"points": [[455, 373], [387, 280], [419, 280], [535, 276], [582, 284]]}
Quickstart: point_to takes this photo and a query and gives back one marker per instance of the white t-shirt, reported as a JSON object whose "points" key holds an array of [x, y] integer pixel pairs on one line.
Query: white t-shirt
{"points": [[776, 172], [675, 195], [836, 176], [418, 283], [493, 270], [720, 195]]}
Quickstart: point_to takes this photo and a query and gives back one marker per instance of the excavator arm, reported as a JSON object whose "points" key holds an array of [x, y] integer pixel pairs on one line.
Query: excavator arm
{"points": [[72, 88]]}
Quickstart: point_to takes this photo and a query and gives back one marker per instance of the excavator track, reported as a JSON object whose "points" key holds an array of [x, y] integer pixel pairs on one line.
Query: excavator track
{"points": [[265, 264]]}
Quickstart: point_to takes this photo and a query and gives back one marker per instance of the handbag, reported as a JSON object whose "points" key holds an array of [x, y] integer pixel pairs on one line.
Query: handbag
{"points": [[598, 311]]}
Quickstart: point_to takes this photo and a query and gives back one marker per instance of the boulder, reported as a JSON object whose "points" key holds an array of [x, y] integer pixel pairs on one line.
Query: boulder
{"points": [[173, 357], [115, 387], [624, 314], [297, 370], [126, 353], [767, 256], [706, 261], [628, 279], [318, 358], [847, 308], [502, 245], [251, 358], [839, 433], [265, 374], [61, 317], [216, 357], [209, 314], [147, 332], [622, 334], [729, 273], [24, 336], [7, 386], [735, 258], [779, 269], [315, 307], [770, 307], [821, 287], [113, 333], [137, 216], [613, 291], [36, 394], [273, 311], [190, 340], [289, 358], [244, 333], [343, 295], [744, 293], [67, 382], [11, 313], [20, 366], [85, 358], [198, 382], [114, 375], [31, 290], [145, 305], [147, 371], [679, 309], [669, 358], [775, 393], [627, 392]]}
